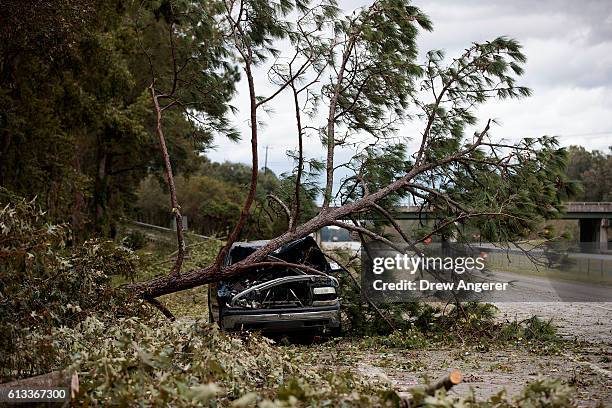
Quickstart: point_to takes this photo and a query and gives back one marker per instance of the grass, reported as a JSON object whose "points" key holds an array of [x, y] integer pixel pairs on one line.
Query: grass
{"points": [[188, 303], [575, 272], [156, 258]]}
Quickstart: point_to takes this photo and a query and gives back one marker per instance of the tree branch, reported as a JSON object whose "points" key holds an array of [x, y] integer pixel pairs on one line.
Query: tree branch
{"points": [[160, 306], [300, 167], [285, 209], [244, 213]]}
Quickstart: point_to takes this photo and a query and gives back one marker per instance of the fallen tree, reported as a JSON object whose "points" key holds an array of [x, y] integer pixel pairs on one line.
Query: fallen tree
{"points": [[363, 70]]}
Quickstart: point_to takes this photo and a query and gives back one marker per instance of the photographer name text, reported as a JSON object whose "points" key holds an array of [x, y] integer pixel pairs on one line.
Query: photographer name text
{"points": [[425, 285]]}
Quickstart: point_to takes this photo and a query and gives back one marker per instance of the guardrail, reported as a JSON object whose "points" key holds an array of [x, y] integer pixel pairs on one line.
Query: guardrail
{"points": [[167, 233]]}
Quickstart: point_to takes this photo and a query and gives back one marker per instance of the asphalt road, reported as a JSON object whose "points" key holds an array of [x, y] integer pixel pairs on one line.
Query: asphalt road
{"points": [[529, 288]]}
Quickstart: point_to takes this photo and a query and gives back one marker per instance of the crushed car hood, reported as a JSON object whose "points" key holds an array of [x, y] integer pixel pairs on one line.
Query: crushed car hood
{"points": [[302, 251], [280, 287]]}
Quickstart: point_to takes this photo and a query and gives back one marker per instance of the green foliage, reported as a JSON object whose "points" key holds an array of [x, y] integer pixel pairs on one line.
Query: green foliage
{"points": [[418, 324], [412, 320], [77, 321], [405, 339], [44, 284], [504, 191], [381, 65], [211, 205], [375, 168], [187, 363], [134, 240], [592, 170], [528, 187], [358, 317], [212, 198], [534, 332], [545, 393], [531, 190]]}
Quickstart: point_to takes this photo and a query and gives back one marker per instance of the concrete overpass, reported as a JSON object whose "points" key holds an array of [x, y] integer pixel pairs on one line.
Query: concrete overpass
{"points": [[593, 218], [572, 211], [594, 221]]}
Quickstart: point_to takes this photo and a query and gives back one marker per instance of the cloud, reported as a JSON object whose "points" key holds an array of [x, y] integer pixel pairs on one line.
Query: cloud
{"points": [[569, 49]]}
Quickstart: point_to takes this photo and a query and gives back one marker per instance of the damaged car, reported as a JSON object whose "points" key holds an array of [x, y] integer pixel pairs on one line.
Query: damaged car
{"points": [[278, 299]]}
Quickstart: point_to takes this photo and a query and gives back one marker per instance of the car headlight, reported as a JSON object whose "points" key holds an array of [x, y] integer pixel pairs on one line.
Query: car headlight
{"points": [[325, 290]]}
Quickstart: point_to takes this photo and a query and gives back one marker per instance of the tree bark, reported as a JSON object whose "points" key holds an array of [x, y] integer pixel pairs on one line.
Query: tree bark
{"points": [[246, 208], [176, 209], [331, 123], [77, 217], [100, 198], [294, 218]]}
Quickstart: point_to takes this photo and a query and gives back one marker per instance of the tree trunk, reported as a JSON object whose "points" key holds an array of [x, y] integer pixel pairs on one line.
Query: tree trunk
{"points": [[77, 217], [246, 208], [176, 209], [100, 198]]}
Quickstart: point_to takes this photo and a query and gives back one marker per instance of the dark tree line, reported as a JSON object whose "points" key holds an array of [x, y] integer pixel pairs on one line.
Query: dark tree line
{"points": [[211, 198], [76, 120], [593, 170]]}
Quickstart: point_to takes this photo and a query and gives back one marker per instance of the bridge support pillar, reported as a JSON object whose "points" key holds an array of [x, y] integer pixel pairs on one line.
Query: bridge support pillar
{"points": [[603, 234], [595, 231]]}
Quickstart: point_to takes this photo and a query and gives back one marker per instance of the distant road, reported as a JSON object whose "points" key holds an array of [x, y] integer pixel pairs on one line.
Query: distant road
{"points": [[348, 245], [597, 256], [529, 288]]}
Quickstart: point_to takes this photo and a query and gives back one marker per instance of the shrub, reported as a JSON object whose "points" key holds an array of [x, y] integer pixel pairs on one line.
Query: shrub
{"points": [[45, 284], [134, 240], [402, 339], [468, 322]]}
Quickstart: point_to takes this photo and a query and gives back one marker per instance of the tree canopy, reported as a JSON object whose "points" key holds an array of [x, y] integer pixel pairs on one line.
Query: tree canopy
{"points": [[593, 170]]}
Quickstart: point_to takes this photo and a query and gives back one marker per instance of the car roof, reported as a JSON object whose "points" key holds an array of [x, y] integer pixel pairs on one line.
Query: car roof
{"points": [[289, 252], [251, 244]]}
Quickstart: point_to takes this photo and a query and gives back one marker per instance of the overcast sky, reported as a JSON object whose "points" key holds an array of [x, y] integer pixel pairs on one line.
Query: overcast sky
{"points": [[569, 69]]}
